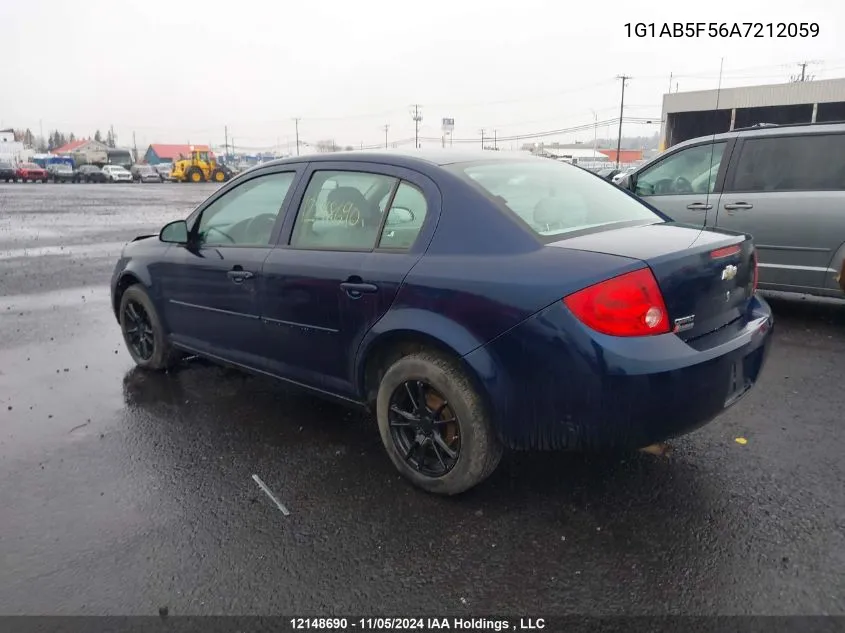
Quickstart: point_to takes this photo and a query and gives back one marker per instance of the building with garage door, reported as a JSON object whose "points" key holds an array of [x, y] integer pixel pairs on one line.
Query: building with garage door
{"points": [[689, 115]]}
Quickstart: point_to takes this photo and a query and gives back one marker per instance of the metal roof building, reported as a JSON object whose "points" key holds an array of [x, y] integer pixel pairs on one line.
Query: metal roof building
{"points": [[687, 115]]}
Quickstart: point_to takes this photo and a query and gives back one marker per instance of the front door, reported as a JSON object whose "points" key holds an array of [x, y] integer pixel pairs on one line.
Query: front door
{"points": [[789, 193], [683, 185], [357, 234], [210, 287]]}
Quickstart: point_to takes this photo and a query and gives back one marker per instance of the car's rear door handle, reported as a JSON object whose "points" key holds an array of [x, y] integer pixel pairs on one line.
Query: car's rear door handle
{"points": [[699, 206], [356, 289], [733, 206], [238, 275]]}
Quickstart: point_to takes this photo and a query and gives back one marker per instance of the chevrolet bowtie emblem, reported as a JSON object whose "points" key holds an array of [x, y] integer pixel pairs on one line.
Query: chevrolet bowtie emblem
{"points": [[729, 272]]}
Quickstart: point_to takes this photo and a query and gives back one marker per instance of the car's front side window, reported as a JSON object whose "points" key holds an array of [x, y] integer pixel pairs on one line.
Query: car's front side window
{"points": [[689, 171], [245, 215], [340, 210]]}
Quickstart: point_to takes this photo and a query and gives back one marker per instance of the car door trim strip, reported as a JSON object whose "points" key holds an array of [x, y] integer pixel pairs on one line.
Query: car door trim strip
{"points": [[210, 309]]}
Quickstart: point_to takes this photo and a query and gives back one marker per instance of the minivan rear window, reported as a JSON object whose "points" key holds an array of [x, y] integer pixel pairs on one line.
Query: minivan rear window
{"points": [[554, 199], [809, 162]]}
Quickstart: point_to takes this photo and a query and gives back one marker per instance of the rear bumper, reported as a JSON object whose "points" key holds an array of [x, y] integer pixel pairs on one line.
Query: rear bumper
{"points": [[555, 384]]}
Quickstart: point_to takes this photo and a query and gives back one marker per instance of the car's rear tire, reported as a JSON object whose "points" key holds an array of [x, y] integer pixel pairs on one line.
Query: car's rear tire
{"points": [[143, 332], [434, 424]]}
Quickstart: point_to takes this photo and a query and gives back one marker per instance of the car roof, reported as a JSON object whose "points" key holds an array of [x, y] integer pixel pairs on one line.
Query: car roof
{"points": [[407, 158], [769, 130]]}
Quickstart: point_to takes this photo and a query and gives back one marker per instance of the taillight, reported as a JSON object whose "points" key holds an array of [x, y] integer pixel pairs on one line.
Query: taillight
{"points": [[719, 253], [627, 305]]}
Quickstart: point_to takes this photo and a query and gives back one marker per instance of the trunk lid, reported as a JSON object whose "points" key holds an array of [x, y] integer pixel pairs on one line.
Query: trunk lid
{"points": [[706, 276]]}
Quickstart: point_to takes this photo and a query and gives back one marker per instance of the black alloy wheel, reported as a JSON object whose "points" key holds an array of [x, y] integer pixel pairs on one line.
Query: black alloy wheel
{"points": [[424, 429], [138, 330]]}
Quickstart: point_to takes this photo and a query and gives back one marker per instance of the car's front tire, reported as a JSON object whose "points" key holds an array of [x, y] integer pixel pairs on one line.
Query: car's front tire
{"points": [[435, 425], [143, 331]]}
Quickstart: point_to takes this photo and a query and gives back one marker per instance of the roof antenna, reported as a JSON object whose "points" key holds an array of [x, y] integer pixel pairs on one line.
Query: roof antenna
{"points": [[713, 147]]}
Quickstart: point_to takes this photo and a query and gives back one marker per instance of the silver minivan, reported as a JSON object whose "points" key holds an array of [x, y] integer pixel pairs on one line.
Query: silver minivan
{"points": [[783, 184]]}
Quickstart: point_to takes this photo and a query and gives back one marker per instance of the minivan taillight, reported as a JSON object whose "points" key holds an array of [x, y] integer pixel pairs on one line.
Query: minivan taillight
{"points": [[627, 305], [754, 263]]}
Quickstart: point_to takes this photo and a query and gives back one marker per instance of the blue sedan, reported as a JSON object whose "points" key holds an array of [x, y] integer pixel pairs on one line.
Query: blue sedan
{"points": [[475, 302]]}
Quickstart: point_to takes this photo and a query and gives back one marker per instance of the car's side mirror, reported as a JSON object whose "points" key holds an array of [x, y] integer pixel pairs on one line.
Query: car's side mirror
{"points": [[174, 233]]}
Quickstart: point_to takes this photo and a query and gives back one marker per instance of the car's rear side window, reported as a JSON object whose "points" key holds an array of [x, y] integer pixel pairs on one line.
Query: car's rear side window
{"points": [[404, 219], [810, 162], [344, 210], [554, 198]]}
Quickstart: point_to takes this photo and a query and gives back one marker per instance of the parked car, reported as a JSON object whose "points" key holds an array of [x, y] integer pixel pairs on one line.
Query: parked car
{"points": [[144, 173], [116, 173], [7, 172], [505, 303], [785, 185], [163, 170], [620, 177], [608, 172], [30, 171], [91, 173], [61, 172]]}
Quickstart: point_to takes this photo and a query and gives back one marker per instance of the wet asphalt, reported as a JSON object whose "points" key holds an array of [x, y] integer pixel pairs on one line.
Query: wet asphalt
{"points": [[122, 492]]}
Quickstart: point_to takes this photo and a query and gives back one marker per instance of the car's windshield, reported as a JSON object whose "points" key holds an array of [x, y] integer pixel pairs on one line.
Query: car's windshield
{"points": [[144, 169], [30, 166], [553, 198]]}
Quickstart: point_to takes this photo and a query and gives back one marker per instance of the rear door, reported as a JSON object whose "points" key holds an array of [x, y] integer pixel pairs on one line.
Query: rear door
{"points": [[685, 184], [358, 231], [788, 191]]}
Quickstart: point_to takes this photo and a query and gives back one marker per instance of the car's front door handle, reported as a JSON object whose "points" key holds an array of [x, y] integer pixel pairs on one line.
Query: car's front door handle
{"points": [[699, 206], [356, 289], [734, 206], [238, 275]]}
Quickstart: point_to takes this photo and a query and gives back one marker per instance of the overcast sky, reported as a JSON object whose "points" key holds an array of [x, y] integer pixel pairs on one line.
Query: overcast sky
{"points": [[177, 72]]}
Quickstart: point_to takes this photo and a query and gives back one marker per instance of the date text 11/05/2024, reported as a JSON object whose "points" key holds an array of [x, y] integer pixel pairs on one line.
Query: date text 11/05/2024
{"points": [[722, 29], [417, 624]]}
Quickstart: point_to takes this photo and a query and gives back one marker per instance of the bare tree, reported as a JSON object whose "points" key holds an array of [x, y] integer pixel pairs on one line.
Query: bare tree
{"points": [[326, 145]]}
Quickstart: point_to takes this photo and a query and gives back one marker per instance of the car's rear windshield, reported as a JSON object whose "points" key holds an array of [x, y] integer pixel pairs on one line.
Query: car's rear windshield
{"points": [[554, 198]]}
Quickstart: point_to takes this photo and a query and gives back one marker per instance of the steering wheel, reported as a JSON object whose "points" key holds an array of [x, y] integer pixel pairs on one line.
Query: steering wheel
{"points": [[263, 232], [223, 233], [682, 185]]}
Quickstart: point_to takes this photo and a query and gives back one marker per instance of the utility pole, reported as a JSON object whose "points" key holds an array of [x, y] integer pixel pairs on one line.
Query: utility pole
{"points": [[113, 137], [226, 140], [416, 115], [495, 145], [296, 123], [135, 145], [386, 128], [803, 76], [482, 138], [624, 79]]}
